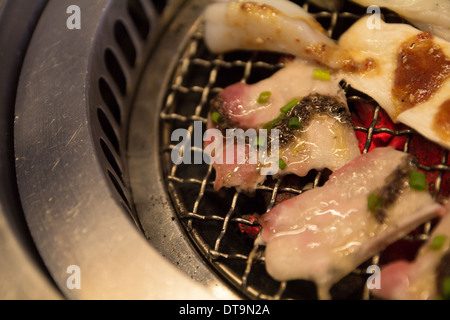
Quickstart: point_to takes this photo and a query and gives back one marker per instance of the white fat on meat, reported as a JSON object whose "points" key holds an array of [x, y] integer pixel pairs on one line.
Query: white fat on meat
{"points": [[327, 232], [411, 80], [433, 16], [324, 141], [272, 25], [421, 279]]}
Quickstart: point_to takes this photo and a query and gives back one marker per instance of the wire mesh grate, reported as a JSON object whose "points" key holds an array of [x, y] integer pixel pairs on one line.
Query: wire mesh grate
{"points": [[221, 224]]}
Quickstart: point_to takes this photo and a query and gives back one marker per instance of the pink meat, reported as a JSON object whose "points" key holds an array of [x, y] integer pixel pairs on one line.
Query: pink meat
{"points": [[325, 233]]}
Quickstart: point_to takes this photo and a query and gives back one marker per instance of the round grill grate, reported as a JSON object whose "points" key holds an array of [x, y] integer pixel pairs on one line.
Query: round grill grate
{"points": [[221, 224]]}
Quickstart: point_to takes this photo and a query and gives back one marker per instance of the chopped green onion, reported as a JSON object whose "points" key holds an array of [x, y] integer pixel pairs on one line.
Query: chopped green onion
{"points": [[445, 286], [271, 124], [418, 181], [438, 242], [288, 107], [321, 74], [259, 141], [216, 117], [374, 202], [281, 164], [295, 124], [264, 97]]}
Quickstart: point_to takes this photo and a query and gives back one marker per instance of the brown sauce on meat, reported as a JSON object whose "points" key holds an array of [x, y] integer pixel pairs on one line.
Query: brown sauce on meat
{"points": [[441, 121], [422, 67]]}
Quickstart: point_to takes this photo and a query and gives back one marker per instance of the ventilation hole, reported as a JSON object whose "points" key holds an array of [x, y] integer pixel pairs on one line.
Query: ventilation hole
{"points": [[139, 18], [119, 188], [123, 39], [108, 129], [110, 157], [115, 70], [159, 5], [109, 99]]}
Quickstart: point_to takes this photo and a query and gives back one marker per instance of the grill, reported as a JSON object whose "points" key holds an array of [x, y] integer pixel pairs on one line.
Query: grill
{"points": [[94, 114], [221, 224]]}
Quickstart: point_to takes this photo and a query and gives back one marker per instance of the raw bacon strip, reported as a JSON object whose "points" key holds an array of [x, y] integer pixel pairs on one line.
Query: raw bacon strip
{"points": [[323, 136], [411, 80], [424, 278], [325, 233], [238, 103]]}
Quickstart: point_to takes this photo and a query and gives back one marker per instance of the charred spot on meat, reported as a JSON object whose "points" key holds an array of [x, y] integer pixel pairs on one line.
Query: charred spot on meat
{"points": [[306, 109], [313, 114], [395, 184]]}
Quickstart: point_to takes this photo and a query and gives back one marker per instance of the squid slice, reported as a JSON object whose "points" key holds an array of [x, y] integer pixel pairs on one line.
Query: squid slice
{"points": [[432, 16], [324, 137], [327, 232], [273, 25], [425, 277], [411, 80]]}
